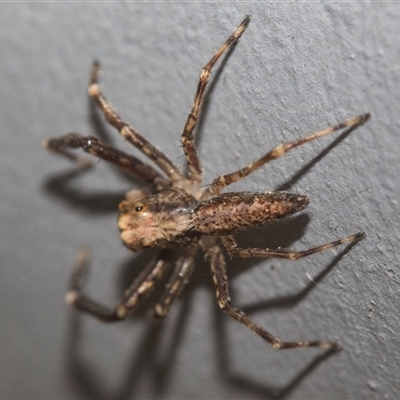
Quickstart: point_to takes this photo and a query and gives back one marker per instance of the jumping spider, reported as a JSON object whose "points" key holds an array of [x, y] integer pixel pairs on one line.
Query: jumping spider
{"points": [[180, 215]]}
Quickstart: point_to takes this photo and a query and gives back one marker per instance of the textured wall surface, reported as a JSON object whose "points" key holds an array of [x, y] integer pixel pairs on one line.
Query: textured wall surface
{"points": [[298, 68]]}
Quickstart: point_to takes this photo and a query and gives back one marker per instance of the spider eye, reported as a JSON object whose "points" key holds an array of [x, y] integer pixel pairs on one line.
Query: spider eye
{"points": [[139, 208]]}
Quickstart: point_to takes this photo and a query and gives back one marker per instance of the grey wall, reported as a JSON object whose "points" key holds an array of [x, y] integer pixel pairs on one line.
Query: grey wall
{"points": [[298, 68]]}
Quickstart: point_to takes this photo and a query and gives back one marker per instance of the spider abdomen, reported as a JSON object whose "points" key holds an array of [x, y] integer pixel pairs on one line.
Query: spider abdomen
{"points": [[234, 212]]}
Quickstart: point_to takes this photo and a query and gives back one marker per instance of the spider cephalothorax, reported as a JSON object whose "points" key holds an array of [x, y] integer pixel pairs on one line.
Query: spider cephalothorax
{"points": [[162, 219], [181, 216]]}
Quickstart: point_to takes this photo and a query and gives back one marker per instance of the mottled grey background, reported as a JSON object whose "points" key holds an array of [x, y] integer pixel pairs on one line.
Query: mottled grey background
{"points": [[298, 68]]}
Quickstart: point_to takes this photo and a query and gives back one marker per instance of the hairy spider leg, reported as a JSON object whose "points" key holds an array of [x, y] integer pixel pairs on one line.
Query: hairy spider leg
{"points": [[224, 180], [235, 251], [195, 170], [140, 288], [98, 148], [179, 279], [127, 131], [218, 269]]}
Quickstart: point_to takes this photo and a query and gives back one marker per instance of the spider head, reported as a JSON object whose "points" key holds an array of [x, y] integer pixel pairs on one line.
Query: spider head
{"points": [[136, 221], [154, 220]]}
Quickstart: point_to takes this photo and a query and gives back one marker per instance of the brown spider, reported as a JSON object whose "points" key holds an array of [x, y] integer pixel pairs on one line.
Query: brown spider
{"points": [[180, 214]]}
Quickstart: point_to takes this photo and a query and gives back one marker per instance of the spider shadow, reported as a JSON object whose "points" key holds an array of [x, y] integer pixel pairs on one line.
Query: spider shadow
{"points": [[271, 391], [91, 384], [145, 362], [99, 202]]}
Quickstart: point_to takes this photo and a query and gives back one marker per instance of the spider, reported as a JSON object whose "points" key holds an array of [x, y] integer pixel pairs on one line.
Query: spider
{"points": [[181, 217]]}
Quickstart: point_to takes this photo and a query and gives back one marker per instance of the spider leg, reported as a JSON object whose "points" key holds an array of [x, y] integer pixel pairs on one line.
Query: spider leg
{"points": [[195, 170], [218, 268], [140, 288], [127, 131], [179, 279], [224, 180], [98, 148], [235, 251]]}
